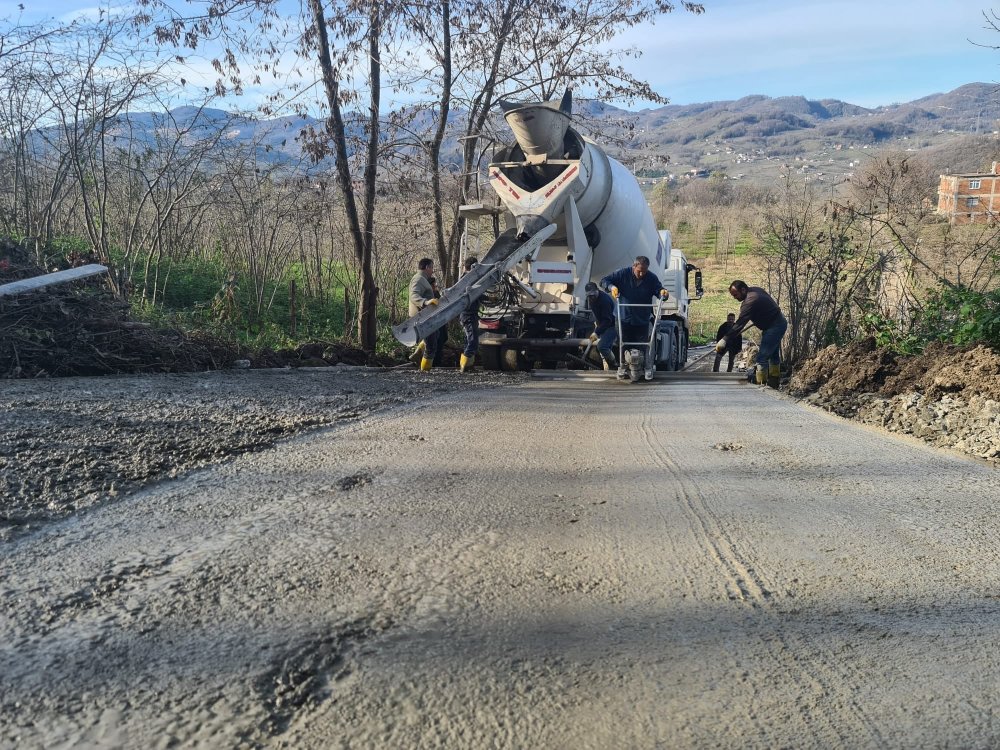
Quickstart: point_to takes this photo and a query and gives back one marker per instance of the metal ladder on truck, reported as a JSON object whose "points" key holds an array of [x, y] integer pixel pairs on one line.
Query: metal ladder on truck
{"points": [[628, 370]]}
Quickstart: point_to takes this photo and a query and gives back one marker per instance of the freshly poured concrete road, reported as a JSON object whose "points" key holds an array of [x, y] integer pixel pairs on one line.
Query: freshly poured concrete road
{"points": [[561, 564]]}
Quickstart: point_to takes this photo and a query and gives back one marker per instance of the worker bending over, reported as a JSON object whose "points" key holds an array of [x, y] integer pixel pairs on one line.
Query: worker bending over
{"points": [[605, 332], [758, 307]]}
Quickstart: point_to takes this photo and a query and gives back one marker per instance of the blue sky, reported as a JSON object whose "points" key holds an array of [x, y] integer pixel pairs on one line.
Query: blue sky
{"points": [[867, 52]]}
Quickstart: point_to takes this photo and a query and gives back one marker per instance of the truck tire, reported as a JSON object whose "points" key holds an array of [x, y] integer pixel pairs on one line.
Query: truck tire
{"points": [[511, 360]]}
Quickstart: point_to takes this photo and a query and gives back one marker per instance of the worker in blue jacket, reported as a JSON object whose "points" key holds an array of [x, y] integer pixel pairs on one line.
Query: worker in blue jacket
{"points": [[635, 286], [605, 331]]}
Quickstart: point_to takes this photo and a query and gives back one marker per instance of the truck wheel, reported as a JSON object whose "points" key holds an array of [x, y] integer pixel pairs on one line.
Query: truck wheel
{"points": [[675, 354], [511, 360]]}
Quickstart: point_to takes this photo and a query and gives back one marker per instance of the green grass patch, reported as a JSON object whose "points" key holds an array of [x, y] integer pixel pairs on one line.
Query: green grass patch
{"points": [[202, 294]]}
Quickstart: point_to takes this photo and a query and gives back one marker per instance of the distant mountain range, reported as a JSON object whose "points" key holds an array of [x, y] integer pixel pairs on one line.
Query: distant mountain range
{"points": [[742, 138], [757, 128]]}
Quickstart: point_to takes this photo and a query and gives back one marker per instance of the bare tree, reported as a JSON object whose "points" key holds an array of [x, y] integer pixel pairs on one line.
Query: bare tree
{"points": [[151, 183], [256, 220], [535, 49], [33, 174], [893, 199], [817, 266]]}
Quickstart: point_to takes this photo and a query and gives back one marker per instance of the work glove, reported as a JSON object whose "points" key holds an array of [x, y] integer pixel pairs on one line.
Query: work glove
{"points": [[614, 291], [720, 345], [432, 301], [664, 294], [593, 338]]}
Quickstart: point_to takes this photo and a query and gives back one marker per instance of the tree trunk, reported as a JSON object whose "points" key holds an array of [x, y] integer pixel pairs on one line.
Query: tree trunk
{"points": [[367, 317], [338, 134], [445, 261]]}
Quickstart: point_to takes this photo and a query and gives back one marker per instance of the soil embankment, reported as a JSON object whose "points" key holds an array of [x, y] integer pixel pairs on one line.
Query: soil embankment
{"points": [[948, 397]]}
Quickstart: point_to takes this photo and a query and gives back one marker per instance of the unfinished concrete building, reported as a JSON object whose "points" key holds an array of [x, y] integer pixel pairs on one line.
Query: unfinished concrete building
{"points": [[970, 198]]}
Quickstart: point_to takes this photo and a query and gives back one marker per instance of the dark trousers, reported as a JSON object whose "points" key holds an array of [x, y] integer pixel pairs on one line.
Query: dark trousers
{"points": [[635, 333], [432, 346], [718, 360], [471, 328]]}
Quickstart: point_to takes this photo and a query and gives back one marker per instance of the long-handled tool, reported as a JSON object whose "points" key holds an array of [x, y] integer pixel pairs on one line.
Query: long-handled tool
{"points": [[504, 255]]}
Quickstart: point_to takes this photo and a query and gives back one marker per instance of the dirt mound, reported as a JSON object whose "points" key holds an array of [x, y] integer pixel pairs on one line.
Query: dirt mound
{"points": [[81, 328], [941, 369], [948, 396], [841, 376]]}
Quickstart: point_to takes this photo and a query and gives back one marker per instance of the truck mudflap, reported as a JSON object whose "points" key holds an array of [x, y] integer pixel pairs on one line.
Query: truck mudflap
{"points": [[504, 255]]}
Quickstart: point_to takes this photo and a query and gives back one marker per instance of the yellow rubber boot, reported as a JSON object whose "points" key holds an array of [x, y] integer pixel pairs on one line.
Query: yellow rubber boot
{"points": [[774, 376], [426, 364], [418, 353], [465, 363], [760, 375]]}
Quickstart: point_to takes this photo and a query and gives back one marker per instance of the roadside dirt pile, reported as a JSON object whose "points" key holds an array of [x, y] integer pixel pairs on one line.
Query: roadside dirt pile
{"points": [[947, 396], [81, 328]]}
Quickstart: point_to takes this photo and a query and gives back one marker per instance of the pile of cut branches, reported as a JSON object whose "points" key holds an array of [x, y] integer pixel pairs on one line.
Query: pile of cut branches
{"points": [[81, 328]]}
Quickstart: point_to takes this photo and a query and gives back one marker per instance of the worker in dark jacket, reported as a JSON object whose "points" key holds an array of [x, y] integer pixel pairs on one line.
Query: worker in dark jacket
{"points": [[635, 286], [733, 346], [759, 308], [605, 330], [442, 332], [470, 324]]}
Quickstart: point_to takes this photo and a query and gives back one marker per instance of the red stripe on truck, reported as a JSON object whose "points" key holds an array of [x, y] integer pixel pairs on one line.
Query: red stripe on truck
{"points": [[569, 173], [511, 190]]}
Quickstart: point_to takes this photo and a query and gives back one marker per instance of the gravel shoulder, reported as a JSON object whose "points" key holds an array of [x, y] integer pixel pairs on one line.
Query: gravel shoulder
{"points": [[68, 444]]}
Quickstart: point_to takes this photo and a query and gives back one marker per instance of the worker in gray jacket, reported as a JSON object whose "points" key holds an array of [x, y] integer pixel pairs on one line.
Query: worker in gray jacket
{"points": [[422, 295], [758, 307]]}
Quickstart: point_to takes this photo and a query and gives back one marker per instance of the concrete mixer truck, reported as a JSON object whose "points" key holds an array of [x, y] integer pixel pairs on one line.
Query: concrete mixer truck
{"points": [[572, 215]]}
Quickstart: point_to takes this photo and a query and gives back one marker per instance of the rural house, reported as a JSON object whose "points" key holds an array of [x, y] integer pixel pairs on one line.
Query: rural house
{"points": [[970, 198]]}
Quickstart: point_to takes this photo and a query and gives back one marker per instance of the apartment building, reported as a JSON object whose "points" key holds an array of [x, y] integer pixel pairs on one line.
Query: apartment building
{"points": [[970, 198]]}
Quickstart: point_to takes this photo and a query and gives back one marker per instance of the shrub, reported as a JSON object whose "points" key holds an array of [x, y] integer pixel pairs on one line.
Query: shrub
{"points": [[961, 316]]}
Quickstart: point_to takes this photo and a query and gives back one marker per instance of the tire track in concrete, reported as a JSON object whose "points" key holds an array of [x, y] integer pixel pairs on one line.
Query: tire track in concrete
{"points": [[743, 582], [817, 675]]}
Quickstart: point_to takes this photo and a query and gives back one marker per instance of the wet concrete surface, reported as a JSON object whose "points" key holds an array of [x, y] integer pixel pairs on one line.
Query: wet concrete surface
{"points": [[511, 562]]}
